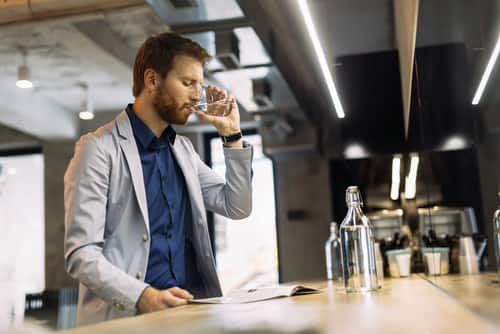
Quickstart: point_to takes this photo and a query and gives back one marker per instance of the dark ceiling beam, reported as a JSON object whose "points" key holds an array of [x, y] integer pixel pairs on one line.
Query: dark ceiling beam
{"points": [[246, 67], [163, 8], [214, 25], [280, 31]]}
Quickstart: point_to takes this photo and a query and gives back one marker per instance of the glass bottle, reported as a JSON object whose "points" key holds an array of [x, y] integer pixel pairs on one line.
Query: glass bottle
{"points": [[357, 246], [496, 236], [379, 262], [332, 252]]}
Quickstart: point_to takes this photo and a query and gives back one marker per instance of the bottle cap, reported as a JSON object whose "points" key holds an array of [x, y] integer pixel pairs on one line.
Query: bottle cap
{"points": [[353, 196]]}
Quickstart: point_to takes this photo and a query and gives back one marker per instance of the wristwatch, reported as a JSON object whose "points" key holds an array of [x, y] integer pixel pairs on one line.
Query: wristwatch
{"points": [[231, 138]]}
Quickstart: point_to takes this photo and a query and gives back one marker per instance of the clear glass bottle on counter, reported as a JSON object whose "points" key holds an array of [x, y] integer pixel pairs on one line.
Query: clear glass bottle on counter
{"points": [[332, 254], [357, 246], [496, 235]]}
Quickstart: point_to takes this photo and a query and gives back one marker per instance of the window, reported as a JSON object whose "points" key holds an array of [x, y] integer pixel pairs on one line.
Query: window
{"points": [[22, 247], [246, 250]]}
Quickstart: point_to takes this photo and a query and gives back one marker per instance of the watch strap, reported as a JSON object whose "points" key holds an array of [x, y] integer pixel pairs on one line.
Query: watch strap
{"points": [[232, 137]]}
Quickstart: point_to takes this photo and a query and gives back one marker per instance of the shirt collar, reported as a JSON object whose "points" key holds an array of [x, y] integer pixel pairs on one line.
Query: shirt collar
{"points": [[144, 134], [170, 133]]}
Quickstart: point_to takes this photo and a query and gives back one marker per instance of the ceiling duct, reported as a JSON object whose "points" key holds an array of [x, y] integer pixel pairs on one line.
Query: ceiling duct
{"points": [[227, 49], [181, 4], [285, 137], [262, 92]]}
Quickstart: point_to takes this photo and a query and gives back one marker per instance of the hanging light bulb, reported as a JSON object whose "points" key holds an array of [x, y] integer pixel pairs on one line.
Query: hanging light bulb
{"points": [[87, 108], [23, 74], [85, 114]]}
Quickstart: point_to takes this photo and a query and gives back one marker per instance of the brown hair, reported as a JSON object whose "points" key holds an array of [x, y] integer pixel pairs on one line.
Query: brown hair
{"points": [[158, 53]]}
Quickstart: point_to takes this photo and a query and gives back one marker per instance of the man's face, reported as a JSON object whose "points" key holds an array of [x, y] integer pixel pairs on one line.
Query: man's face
{"points": [[179, 91]]}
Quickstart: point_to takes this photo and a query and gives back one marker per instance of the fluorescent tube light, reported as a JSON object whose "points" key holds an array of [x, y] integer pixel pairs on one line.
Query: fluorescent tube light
{"points": [[411, 179], [396, 170], [414, 166], [321, 58], [486, 74], [410, 188]]}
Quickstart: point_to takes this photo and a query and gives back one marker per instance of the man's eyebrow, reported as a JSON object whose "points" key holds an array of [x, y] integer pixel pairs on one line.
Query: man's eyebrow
{"points": [[186, 77]]}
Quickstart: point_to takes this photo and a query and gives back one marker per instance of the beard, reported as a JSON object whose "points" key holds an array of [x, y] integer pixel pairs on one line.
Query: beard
{"points": [[169, 110]]}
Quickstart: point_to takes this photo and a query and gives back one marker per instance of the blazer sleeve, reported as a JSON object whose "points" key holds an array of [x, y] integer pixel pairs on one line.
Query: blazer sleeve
{"points": [[231, 197], [86, 184]]}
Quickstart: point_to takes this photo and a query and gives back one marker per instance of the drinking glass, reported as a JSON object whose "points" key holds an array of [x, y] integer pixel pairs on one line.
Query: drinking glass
{"points": [[213, 102]]}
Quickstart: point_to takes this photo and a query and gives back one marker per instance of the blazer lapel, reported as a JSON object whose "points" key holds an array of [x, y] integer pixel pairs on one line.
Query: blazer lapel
{"points": [[188, 170], [129, 148]]}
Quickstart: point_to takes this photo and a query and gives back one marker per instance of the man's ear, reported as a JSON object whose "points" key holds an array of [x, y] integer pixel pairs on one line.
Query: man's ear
{"points": [[150, 79]]}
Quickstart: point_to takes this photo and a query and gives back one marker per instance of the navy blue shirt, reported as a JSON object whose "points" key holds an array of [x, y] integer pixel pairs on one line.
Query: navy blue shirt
{"points": [[168, 206]]}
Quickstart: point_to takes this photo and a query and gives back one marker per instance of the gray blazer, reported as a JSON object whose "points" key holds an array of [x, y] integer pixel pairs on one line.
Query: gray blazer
{"points": [[107, 236]]}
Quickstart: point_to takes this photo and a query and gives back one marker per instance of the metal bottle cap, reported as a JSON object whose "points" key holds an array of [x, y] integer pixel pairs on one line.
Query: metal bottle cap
{"points": [[353, 196]]}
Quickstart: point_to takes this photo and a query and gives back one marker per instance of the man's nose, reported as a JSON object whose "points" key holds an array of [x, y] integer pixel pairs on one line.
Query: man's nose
{"points": [[196, 95]]}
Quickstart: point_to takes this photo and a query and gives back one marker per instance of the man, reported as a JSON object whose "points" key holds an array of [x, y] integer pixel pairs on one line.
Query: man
{"points": [[136, 193]]}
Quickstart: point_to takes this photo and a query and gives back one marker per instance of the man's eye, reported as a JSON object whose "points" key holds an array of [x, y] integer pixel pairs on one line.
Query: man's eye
{"points": [[187, 83]]}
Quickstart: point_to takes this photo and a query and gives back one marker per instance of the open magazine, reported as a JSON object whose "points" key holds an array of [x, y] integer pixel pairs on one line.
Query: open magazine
{"points": [[254, 295]]}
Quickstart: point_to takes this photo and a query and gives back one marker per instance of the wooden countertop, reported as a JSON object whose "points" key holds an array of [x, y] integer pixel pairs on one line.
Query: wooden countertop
{"points": [[406, 305], [479, 293]]}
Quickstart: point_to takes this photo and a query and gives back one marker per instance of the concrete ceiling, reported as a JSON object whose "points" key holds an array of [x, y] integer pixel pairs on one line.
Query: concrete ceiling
{"points": [[69, 45], [95, 48]]}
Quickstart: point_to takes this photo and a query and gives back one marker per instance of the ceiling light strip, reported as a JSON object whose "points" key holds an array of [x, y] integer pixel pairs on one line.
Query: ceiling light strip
{"points": [[486, 74], [321, 57]]}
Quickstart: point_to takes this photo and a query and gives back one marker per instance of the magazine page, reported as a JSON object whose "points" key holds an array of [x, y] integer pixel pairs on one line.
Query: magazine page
{"points": [[254, 295]]}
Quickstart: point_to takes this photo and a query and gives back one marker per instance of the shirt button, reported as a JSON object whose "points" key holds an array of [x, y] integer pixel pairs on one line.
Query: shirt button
{"points": [[145, 237], [138, 275]]}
